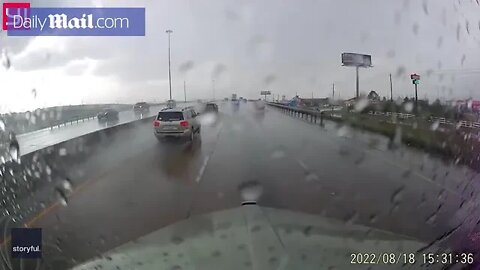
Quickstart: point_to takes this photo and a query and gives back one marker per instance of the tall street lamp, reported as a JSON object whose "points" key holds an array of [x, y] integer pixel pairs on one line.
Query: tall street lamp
{"points": [[169, 70]]}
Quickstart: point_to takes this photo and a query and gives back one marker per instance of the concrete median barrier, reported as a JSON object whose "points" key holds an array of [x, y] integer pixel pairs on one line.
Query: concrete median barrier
{"points": [[46, 169]]}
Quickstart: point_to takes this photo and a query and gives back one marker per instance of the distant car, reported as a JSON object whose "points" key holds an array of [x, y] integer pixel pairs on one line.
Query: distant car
{"points": [[177, 123], [211, 107], [107, 115], [141, 107], [171, 104]]}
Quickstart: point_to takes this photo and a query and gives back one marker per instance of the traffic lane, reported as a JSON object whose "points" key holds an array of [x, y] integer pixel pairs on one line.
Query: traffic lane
{"points": [[406, 192], [443, 171], [303, 170], [30, 142], [149, 189]]}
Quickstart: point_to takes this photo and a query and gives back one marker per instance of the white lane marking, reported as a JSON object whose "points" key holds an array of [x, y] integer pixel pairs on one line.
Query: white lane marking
{"points": [[202, 169], [207, 158]]}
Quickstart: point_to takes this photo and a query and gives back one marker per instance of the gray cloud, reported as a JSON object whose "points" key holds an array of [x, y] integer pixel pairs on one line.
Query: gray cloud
{"points": [[250, 44], [185, 67], [218, 70]]}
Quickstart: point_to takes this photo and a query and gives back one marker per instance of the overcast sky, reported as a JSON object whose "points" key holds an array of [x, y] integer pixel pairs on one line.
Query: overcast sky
{"points": [[288, 47]]}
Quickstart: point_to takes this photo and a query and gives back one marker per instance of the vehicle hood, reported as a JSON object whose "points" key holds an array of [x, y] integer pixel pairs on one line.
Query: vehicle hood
{"points": [[253, 237]]}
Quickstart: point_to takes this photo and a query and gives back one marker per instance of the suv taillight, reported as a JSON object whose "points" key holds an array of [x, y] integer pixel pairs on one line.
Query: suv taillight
{"points": [[184, 123], [156, 123]]}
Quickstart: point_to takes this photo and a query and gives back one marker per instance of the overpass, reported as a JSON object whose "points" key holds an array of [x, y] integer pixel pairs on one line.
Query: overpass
{"points": [[93, 188]]}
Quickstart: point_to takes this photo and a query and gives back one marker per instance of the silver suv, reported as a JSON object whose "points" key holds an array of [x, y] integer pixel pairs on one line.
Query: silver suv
{"points": [[176, 122]]}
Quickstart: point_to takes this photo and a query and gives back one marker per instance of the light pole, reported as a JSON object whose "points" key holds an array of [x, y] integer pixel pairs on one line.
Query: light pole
{"points": [[333, 91], [185, 91], [213, 89], [391, 88], [357, 84], [169, 70]]}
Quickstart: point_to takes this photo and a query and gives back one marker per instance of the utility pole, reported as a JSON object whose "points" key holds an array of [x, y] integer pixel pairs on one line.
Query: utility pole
{"points": [[415, 80], [357, 83], [169, 70], [333, 91], [391, 88], [213, 89], [185, 91]]}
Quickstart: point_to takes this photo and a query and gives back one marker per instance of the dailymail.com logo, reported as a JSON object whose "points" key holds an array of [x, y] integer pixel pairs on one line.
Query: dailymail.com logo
{"points": [[20, 19], [10, 11]]}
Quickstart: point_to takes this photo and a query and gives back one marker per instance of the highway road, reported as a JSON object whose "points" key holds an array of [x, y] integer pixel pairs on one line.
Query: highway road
{"points": [[137, 185]]}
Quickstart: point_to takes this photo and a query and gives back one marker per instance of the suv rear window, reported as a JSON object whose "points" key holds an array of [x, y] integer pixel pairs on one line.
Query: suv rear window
{"points": [[211, 105], [170, 116]]}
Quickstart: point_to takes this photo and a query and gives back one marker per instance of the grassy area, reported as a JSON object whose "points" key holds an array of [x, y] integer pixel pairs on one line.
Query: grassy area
{"points": [[452, 144]]}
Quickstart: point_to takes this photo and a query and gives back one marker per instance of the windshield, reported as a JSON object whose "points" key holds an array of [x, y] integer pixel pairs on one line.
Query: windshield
{"points": [[329, 134], [170, 116]]}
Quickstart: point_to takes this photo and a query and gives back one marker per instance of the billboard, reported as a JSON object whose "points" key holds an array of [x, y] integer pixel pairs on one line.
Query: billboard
{"points": [[475, 105], [356, 60], [415, 77], [264, 93]]}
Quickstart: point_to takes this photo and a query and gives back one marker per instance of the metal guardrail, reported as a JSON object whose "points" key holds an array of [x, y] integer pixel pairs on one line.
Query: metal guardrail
{"points": [[314, 114], [441, 120], [58, 124], [78, 119], [308, 114]]}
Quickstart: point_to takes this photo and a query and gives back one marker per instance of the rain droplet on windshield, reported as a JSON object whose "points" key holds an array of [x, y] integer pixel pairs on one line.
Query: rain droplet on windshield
{"points": [[312, 177], [439, 42], [277, 154], [177, 240], [2, 125], [61, 196], [425, 7], [415, 28], [216, 254], [48, 170], [273, 260], [250, 191], [14, 151], [458, 32], [361, 104], [391, 54], [5, 60], [62, 151], [269, 79], [435, 125], [343, 131], [67, 185], [397, 195], [185, 67], [400, 71], [408, 107]]}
